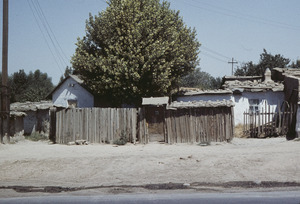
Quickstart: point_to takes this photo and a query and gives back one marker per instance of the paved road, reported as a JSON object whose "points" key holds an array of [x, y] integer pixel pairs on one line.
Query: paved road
{"points": [[232, 198]]}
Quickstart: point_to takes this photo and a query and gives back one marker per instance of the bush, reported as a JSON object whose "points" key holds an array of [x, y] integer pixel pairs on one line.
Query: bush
{"points": [[36, 136], [122, 140]]}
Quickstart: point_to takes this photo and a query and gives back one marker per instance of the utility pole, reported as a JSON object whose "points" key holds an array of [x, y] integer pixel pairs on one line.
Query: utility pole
{"points": [[232, 62], [4, 113]]}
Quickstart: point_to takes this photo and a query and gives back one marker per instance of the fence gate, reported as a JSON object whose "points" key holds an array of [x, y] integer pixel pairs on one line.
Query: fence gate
{"points": [[268, 122]]}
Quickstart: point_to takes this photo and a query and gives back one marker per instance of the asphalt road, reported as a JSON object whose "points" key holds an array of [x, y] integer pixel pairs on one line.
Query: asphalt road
{"points": [[232, 198]]}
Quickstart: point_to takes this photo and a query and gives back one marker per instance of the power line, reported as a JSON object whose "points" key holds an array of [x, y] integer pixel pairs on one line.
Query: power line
{"points": [[37, 22], [52, 31], [214, 52], [44, 23], [235, 14], [211, 56]]}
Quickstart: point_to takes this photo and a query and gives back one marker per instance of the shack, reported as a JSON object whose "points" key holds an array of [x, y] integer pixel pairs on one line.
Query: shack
{"points": [[37, 115], [154, 110]]}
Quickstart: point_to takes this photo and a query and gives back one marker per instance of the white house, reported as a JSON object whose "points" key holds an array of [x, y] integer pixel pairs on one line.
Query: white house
{"points": [[247, 93], [72, 92]]}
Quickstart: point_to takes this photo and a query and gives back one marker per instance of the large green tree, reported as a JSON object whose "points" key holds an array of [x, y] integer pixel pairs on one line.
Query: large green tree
{"points": [[267, 60], [135, 49], [34, 86]]}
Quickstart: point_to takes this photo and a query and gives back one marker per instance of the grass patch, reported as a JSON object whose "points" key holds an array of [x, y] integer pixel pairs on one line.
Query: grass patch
{"points": [[238, 131], [36, 136]]}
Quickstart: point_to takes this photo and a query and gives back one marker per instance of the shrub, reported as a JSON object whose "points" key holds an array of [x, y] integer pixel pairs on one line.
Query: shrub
{"points": [[36, 136], [122, 140]]}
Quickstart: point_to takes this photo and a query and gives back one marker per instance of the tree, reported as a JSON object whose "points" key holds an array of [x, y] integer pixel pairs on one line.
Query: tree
{"points": [[32, 87], [68, 71], [267, 60], [200, 79], [295, 64], [135, 49]]}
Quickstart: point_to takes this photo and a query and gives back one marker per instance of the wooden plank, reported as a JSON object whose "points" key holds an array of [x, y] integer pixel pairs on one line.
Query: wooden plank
{"points": [[134, 127], [280, 115]]}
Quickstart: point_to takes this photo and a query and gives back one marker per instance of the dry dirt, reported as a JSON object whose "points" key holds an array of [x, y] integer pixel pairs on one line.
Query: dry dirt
{"points": [[42, 167]]}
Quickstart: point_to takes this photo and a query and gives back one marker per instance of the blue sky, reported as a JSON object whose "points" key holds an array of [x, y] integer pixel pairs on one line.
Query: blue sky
{"points": [[226, 28]]}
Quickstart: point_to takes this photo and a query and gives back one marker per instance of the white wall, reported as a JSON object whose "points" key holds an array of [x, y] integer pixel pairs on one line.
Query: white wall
{"points": [[265, 98], [68, 92], [241, 101]]}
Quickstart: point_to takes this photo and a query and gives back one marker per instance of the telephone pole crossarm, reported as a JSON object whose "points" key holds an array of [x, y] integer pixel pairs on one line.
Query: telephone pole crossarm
{"points": [[232, 62]]}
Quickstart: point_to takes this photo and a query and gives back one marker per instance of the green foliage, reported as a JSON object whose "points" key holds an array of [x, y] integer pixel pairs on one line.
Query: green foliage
{"points": [[135, 49], [68, 71], [267, 60], [122, 140], [200, 79], [36, 136], [32, 87]]}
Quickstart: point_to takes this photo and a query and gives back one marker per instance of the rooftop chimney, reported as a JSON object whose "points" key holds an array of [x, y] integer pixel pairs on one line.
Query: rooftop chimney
{"points": [[268, 76]]}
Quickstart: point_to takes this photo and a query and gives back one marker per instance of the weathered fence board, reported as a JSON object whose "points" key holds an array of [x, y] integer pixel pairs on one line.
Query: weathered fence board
{"points": [[95, 125], [267, 122], [202, 125], [104, 125]]}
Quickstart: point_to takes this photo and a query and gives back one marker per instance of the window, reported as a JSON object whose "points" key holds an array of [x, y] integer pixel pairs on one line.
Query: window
{"points": [[253, 105], [72, 103]]}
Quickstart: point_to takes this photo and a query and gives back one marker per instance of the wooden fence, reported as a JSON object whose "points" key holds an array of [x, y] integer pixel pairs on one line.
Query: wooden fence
{"points": [[104, 125], [202, 125], [267, 122], [96, 125]]}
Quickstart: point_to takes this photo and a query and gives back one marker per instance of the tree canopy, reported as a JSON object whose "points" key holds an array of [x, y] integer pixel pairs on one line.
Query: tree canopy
{"points": [[267, 60], [135, 49], [34, 86], [200, 79]]}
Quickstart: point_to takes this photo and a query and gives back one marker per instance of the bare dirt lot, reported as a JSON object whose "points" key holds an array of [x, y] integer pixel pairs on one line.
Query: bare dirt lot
{"points": [[43, 167]]}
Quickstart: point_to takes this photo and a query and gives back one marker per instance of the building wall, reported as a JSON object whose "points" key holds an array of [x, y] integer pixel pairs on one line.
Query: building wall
{"points": [[71, 90], [241, 101], [265, 98], [16, 126], [30, 121], [291, 89], [36, 121]]}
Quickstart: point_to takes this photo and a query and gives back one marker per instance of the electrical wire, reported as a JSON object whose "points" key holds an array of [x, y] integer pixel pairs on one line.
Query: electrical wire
{"points": [[63, 53], [231, 13], [43, 21], [44, 36]]}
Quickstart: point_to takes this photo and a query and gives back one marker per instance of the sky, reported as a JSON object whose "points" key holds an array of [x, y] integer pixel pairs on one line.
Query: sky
{"points": [[43, 33]]}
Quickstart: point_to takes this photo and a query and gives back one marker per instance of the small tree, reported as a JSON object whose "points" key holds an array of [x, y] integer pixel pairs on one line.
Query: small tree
{"points": [[267, 60], [68, 71], [135, 49], [200, 79]]}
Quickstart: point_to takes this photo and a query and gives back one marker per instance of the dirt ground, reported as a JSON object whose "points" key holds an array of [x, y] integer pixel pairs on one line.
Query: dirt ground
{"points": [[54, 168]]}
